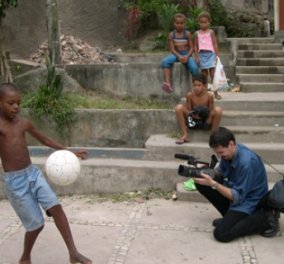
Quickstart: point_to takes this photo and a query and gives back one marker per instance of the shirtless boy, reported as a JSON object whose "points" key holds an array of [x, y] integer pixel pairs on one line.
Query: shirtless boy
{"points": [[25, 185], [198, 97]]}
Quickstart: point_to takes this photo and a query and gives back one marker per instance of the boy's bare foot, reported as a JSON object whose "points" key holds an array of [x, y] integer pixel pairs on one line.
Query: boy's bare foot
{"points": [[80, 259], [217, 95], [182, 141]]}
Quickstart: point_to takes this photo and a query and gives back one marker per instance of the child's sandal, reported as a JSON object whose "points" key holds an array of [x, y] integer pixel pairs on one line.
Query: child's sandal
{"points": [[167, 87]]}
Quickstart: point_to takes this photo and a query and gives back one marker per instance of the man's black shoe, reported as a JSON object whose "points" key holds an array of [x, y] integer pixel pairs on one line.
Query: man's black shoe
{"points": [[217, 221], [272, 217]]}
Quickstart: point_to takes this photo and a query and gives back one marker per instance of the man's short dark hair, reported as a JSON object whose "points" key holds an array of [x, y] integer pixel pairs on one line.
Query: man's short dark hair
{"points": [[221, 137]]}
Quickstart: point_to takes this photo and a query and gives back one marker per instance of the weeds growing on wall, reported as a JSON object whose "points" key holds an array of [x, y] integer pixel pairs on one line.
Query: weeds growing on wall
{"points": [[49, 102], [162, 11]]}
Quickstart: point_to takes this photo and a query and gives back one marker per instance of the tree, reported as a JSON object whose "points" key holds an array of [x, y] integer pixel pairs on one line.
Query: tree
{"points": [[5, 70], [54, 47]]}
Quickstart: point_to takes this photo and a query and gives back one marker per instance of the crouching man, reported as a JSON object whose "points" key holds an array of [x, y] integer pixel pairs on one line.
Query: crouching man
{"points": [[238, 191]]}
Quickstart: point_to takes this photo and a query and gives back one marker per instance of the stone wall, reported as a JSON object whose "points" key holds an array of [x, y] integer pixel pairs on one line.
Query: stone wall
{"points": [[99, 23], [249, 16], [109, 128], [264, 7]]}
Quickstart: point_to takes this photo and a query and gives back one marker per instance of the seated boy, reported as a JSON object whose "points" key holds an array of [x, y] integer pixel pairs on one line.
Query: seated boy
{"points": [[199, 111]]}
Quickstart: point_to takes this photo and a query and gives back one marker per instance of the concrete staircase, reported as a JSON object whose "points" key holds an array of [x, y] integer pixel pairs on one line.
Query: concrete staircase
{"points": [[113, 170], [255, 115], [260, 65], [262, 131]]}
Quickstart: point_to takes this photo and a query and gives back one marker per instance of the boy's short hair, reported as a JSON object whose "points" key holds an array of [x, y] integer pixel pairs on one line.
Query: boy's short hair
{"points": [[200, 77], [204, 14], [221, 137], [4, 87], [179, 15]]}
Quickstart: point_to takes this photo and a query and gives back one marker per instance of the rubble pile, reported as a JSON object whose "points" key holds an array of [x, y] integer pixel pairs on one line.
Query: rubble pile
{"points": [[73, 51]]}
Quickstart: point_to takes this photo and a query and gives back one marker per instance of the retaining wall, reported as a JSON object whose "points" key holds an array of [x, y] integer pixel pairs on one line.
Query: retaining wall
{"points": [[110, 128]]}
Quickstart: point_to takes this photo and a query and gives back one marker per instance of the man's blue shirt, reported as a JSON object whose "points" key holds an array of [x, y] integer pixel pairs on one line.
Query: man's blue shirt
{"points": [[246, 176]]}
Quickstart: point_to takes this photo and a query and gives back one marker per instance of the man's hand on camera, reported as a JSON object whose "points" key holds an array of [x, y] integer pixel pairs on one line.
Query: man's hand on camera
{"points": [[205, 180]]}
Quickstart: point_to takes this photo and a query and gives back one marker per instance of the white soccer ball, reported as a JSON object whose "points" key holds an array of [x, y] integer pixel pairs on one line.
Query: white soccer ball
{"points": [[62, 167]]}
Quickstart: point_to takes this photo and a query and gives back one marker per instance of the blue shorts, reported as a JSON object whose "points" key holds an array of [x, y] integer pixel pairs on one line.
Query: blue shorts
{"points": [[27, 190], [207, 59], [191, 65]]}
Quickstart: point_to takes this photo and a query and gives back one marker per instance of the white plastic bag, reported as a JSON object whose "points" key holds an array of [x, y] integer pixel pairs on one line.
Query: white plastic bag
{"points": [[219, 81]]}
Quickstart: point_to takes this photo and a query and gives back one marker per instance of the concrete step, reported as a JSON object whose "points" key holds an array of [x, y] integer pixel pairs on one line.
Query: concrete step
{"points": [[266, 78], [242, 41], [260, 62], [254, 119], [154, 58], [194, 196], [241, 115], [267, 101], [116, 176], [259, 70], [139, 57], [261, 46], [163, 147], [247, 133], [256, 134], [260, 53], [262, 87], [96, 152], [190, 196], [100, 176]]}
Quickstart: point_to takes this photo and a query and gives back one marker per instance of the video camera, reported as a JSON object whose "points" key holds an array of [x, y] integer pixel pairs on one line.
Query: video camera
{"points": [[196, 167]]}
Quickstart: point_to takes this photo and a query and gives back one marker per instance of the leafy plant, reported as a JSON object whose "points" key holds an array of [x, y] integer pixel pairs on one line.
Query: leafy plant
{"points": [[139, 13], [146, 6], [165, 14], [50, 102], [218, 13], [4, 4], [161, 40], [192, 21]]}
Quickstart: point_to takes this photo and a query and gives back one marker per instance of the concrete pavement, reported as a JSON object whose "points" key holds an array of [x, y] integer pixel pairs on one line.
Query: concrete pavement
{"points": [[155, 231]]}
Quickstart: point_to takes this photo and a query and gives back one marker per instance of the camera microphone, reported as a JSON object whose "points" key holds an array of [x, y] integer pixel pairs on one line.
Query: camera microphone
{"points": [[182, 156]]}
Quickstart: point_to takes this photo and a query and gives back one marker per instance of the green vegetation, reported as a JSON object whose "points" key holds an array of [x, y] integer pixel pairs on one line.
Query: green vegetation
{"points": [[99, 101], [144, 15], [165, 14], [49, 101], [4, 4], [192, 21]]}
